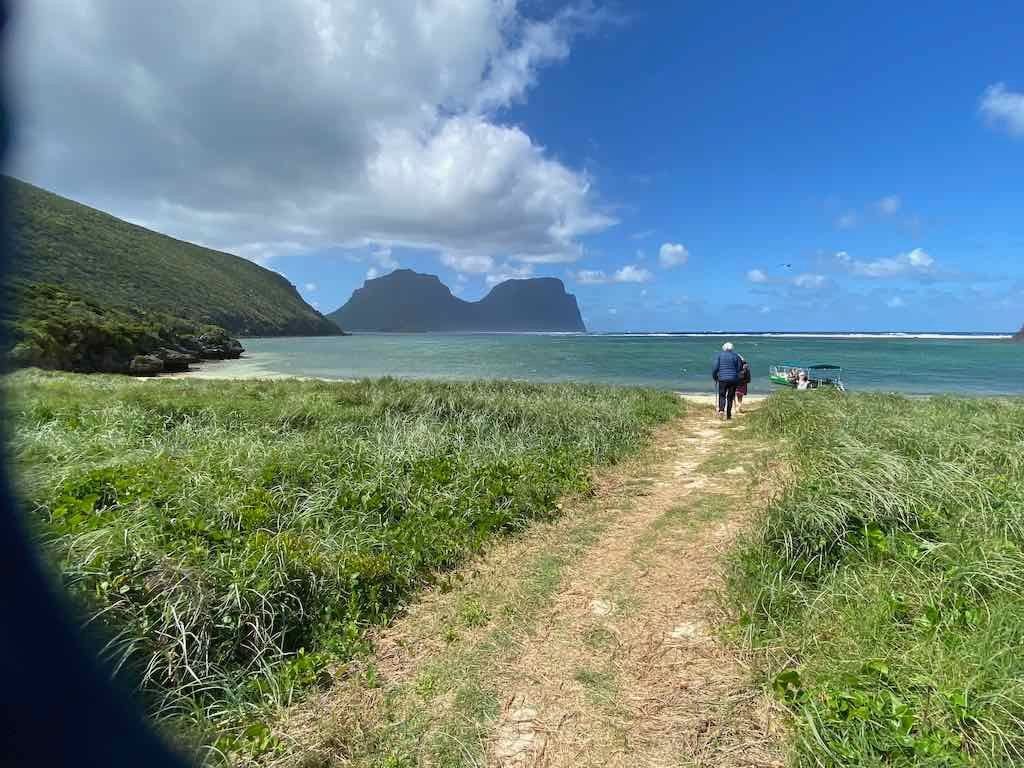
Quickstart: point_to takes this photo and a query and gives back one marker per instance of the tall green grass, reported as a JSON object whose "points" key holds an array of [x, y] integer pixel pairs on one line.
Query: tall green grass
{"points": [[233, 539], [885, 586]]}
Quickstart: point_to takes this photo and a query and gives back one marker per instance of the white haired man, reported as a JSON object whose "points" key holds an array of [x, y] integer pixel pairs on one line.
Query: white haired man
{"points": [[728, 366]]}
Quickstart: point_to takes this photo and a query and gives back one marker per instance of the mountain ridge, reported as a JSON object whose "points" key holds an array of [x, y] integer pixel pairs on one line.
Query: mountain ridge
{"points": [[409, 301], [103, 258]]}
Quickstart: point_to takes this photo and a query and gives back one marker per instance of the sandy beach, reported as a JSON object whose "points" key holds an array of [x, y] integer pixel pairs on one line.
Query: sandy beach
{"points": [[240, 370]]}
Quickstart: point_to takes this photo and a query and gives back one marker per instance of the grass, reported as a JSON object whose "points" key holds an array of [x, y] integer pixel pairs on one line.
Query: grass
{"points": [[110, 261], [600, 684], [443, 713], [884, 587], [233, 540]]}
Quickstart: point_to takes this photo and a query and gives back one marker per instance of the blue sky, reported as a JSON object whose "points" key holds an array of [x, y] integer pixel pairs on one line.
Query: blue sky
{"points": [[748, 166]]}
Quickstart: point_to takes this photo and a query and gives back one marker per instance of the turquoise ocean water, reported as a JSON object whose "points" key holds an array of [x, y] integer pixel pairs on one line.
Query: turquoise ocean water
{"points": [[920, 365]]}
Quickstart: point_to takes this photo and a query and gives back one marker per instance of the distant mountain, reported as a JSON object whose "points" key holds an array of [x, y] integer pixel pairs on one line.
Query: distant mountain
{"points": [[409, 301], [104, 259]]}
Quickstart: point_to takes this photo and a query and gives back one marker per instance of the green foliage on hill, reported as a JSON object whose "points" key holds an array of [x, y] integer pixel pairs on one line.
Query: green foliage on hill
{"points": [[237, 537], [885, 585], [50, 327], [104, 259]]}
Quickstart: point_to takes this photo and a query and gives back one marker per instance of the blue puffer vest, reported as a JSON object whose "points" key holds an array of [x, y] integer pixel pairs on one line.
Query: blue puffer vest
{"points": [[727, 367]]}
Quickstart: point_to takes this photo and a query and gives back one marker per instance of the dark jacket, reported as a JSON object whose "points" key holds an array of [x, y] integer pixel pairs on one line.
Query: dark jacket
{"points": [[745, 373], [727, 367]]}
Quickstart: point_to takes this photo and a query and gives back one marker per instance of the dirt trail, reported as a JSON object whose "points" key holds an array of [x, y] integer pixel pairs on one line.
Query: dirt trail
{"points": [[660, 690], [592, 641]]}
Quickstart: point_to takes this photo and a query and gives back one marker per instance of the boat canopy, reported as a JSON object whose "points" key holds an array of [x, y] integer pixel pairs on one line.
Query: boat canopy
{"points": [[811, 366]]}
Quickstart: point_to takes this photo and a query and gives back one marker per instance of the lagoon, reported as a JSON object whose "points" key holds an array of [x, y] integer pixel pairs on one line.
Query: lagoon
{"points": [[913, 364]]}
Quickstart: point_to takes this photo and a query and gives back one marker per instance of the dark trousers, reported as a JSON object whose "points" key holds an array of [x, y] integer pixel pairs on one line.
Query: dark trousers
{"points": [[726, 395]]}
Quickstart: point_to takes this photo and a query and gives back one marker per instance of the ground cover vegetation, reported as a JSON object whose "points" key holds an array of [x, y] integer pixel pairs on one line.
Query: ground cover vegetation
{"points": [[231, 542], [55, 328], [884, 587]]}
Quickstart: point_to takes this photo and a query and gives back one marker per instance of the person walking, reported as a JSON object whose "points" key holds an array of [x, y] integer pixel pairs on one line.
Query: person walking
{"points": [[726, 372], [741, 386]]}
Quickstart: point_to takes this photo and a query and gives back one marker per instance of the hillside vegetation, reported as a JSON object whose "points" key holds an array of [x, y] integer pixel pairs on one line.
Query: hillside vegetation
{"points": [[107, 260], [49, 327], [233, 538], [885, 586]]}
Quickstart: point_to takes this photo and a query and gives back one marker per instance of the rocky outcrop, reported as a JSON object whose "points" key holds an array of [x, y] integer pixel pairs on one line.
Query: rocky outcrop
{"points": [[217, 345], [409, 301], [212, 345], [145, 365], [176, 360], [1019, 336]]}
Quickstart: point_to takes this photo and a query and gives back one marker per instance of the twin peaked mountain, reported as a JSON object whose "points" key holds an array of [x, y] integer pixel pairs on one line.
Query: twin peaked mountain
{"points": [[409, 301]]}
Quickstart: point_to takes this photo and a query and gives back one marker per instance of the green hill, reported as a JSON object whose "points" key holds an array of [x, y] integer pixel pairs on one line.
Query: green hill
{"points": [[104, 259]]}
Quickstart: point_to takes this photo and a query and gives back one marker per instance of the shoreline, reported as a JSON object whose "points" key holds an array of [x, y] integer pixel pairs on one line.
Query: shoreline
{"points": [[692, 396], [260, 365], [702, 398]]}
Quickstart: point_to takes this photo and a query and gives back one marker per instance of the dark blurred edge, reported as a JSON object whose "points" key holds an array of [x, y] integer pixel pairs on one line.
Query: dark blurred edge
{"points": [[59, 706]]}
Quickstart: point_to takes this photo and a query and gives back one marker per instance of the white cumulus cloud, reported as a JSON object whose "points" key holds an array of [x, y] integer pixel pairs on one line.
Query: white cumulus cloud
{"points": [[591, 277], [809, 281], [672, 254], [913, 263], [630, 273], [509, 272], [305, 123], [919, 259], [757, 276], [1004, 108], [476, 264], [384, 258]]}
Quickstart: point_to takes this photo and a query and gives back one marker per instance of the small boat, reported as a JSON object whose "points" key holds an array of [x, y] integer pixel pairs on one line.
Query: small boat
{"points": [[818, 375]]}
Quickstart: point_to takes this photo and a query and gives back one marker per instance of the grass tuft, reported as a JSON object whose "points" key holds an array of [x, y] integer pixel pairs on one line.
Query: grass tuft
{"points": [[884, 587]]}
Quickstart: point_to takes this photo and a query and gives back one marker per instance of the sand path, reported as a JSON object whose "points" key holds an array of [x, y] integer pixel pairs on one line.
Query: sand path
{"points": [[593, 640]]}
